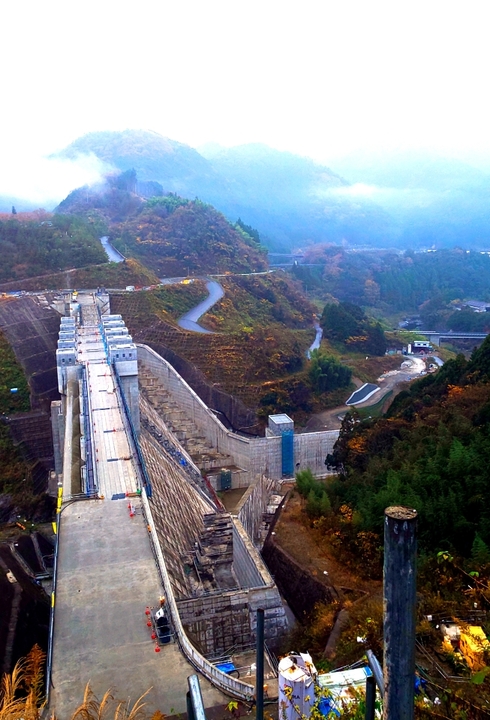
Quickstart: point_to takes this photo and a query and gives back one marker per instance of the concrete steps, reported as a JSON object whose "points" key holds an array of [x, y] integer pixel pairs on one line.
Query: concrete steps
{"points": [[181, 426]]}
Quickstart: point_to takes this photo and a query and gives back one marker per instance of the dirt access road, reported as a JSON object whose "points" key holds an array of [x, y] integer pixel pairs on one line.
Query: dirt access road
{"points": [[410, 369]]}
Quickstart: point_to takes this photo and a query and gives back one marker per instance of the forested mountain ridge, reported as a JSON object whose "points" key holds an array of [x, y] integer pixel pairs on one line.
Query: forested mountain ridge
{"points": [[398, 282], [290, 199], [36, 243], [169, 233], [177, 236], [154, 157], [431, 452]]}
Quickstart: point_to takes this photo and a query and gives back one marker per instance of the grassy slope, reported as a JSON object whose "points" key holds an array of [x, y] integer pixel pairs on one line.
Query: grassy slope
{"points": [[12, 467], [259, 300], [11, 376], [165, 305], [262, 329], [115, 275], [252, 348]]}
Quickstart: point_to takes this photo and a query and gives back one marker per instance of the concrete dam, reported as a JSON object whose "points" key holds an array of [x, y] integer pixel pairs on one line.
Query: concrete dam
{"points": [[140, 461]]}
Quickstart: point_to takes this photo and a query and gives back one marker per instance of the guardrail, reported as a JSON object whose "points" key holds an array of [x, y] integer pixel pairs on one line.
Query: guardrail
{"points": [[227, 684]]}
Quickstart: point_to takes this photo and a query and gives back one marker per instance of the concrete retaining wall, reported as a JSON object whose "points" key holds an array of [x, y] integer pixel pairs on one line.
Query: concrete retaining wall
{"points": [[254, 503], [218, 621], [311, 449], [248, 566], [299, 588], [257, 456]]}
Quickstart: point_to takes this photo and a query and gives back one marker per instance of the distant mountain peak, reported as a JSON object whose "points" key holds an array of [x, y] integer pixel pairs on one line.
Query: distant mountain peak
{"points": [[291, 200]]}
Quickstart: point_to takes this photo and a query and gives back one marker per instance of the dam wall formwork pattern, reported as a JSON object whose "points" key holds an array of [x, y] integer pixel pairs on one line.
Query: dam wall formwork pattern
{"points": [[254, 505], [217, 577], [252, 456]]}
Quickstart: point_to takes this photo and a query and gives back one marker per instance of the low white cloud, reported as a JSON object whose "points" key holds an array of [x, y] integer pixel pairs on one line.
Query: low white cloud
{"points": [[45, 181], [357, 190], [388, 197]]}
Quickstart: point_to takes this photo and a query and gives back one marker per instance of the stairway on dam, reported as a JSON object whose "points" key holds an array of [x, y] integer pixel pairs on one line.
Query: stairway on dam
{"points": [[218, 578], [106, 571], [117, 554], [181, 425]]}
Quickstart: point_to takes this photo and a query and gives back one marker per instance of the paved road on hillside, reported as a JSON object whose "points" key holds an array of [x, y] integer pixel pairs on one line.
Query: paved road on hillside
{"points": [[189, 320], [111, 252], [410, 369], [316, 342]]}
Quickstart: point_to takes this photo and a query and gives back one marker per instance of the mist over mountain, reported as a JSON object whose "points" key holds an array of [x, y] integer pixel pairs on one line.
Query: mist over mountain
{"points": [[398, 200], [30, 181], [180, 168], [437, 201], [297, 200], [7, 202], [291, 200]]}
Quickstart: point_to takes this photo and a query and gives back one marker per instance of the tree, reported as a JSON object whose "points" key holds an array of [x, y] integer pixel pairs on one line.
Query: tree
{"points": [[338, 323], [372, 292], [326, 373], [304, 482], [480, 552], [347, 323]]}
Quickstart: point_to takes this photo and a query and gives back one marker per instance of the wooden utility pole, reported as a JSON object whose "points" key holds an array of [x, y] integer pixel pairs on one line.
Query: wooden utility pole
{"points": [[399, 595]]}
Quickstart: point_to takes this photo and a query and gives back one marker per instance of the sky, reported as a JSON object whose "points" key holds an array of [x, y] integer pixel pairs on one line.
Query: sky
{"points": [[321, 78]]}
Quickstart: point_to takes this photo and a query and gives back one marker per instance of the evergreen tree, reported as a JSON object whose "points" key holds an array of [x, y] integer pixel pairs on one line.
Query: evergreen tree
{"points": [[326, 373], [480, 553]]}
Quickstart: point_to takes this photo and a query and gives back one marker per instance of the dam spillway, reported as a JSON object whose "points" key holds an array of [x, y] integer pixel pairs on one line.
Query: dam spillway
{"points": [[175, 540], [106, 573]]}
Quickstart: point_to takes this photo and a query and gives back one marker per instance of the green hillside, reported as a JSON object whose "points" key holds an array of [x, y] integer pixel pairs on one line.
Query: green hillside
{"points": [[175, 236], [263, 327], [430, 452], [170, 234], [433, 284], [37, 243], [15, 480]]}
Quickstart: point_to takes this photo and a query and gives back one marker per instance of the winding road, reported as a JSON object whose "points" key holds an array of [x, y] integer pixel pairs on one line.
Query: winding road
{"points": [[111, 252], [189, 321], [316, 342], [410, 368]]}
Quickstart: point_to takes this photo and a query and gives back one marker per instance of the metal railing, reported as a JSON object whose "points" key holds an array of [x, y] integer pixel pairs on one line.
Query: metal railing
{"points": [[376, 679], [91, 481], [229, 685]]}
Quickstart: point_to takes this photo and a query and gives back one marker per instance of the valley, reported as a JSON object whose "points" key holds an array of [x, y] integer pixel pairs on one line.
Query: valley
{"points": [[245, 361], [298, 340]]}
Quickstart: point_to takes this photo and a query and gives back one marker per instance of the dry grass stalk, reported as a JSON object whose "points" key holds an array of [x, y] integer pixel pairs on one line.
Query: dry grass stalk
{"points": [[21, 691], [21, 694], [93, 709]]}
